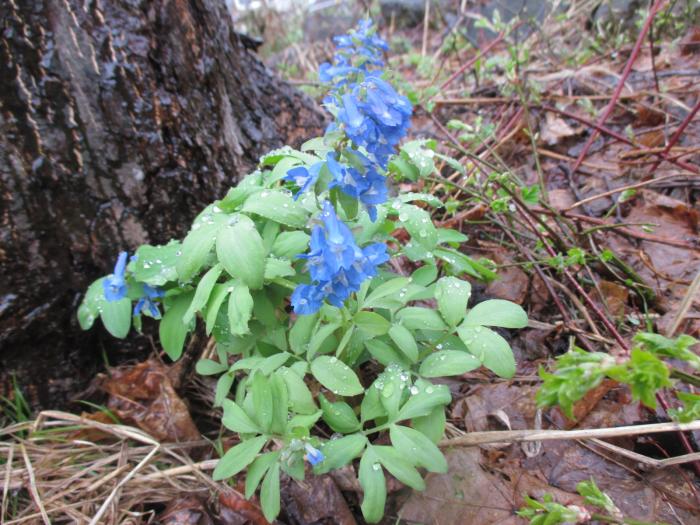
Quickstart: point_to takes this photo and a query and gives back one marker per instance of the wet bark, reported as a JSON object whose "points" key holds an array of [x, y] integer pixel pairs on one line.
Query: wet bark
{"points": [[119, 121]]}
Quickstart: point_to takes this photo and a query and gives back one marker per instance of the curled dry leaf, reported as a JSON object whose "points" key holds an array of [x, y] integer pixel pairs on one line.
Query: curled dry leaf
{"points": [[143, 395], [317, 499], [187, 510], [236, 510]]}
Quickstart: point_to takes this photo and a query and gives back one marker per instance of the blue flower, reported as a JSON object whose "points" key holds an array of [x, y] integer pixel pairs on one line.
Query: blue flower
{"points": [[114, 284], [313, 455], [368, 186], [304, 177], [146, 303], [336, 264]]}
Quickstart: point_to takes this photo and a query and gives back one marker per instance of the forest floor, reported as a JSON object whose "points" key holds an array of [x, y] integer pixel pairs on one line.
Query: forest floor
{"points": [[598, 123]]}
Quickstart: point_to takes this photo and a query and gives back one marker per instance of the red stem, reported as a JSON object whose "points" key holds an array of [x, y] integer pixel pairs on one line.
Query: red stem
{"points": [[621, 138], [621, 84], [684, 439], [677, 135], [469, 63]]}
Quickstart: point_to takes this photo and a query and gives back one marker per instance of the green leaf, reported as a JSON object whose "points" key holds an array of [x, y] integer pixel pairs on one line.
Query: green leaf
{"points": [[385, 353], [270, 493], [201, 295], [279, 206], [155, 265], [216, 299], [424, 275], [404, 341], [419, 318], [301, 331], [240, 250], [427, 397], [89, 309], [257, 470], [340, 452], [497, 312], [116, 316], [272, 363], [448, 363], [290, 244], [371, 406], [275, 268], [263, 400], [238, 458], [371, 323], [336, 376], [236, 420], [223, 387], [240, 308], [422, 451], [208, 367], [419, 224], [452, 296], [431, 425], [172, 330], [323, 333], [300, 398], [390, 287], [195, 249], [399, 467], [373, 485], [339, 416], [280, 404], [490, 348]]}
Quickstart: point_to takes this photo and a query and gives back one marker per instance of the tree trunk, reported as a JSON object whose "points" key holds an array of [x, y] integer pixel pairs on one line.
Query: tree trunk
{"points": [[119, 121]]}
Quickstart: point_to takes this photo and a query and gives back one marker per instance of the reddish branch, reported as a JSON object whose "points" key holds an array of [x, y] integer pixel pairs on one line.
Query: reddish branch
{"points": [[599, 127], [469, 63], [655, 8], [674, 138]]}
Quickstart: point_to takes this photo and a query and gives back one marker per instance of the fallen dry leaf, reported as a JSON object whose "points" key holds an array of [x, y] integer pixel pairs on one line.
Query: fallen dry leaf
{"points": [[554, 129], [186, 510], [317, 499], [467, 494], [234, 509], [143, 395], [512, 283]]}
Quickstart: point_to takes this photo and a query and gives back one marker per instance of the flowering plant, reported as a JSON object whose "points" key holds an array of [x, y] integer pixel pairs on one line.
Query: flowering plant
{"points": [[315, 334]]}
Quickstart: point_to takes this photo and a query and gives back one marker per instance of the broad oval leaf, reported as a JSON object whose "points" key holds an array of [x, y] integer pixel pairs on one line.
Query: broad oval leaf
{"points": [[497, 312], [116, 316], [490, 348], [277, 205], [399, 466], [373, 485], [336, 376], [452, 296], [371, 323], [448, 363], [202, 293], [172, 330], [238, 458], [340, 452], [240, 250], [236, 420], [414, 444], [290, 244], [419, 318]]}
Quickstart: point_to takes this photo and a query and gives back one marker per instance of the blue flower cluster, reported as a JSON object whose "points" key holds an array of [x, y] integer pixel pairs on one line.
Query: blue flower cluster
{"points": [[336, 264], [373, 118], [362, 46], [115, 289]]}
